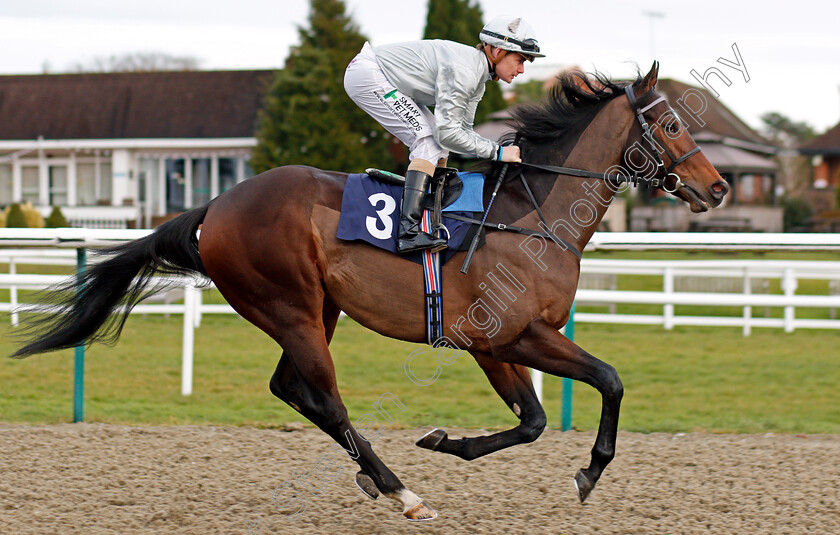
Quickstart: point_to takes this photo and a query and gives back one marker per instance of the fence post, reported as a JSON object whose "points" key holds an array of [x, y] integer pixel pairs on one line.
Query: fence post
{"points": [[789, 287], [668, 289], [747, 309], [198, 295], [13, 294], [566, 412], [189, 338], [79, 362]]}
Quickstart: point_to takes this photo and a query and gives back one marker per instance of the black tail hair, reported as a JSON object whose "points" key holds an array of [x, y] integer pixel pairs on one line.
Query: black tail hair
{"points": [[87, 306]]}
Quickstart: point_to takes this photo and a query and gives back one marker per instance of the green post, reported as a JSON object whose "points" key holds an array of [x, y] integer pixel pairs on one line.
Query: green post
{"points": [[79, 365], [566, 413]]}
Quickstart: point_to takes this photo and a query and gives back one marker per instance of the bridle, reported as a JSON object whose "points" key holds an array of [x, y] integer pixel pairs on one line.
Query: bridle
{"points": [[653, 141]]}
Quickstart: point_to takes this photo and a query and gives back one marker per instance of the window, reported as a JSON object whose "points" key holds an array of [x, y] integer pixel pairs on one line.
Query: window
{"points": [[30, 184], [227, 174], [58, 185], [200, 181], [747, 183], [86, 184], [93, 188], [175, 181], [6, 184]]}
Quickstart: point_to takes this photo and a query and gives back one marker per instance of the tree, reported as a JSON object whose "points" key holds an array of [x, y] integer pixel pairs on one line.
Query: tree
{"points": [[784, 130], [138, 62], [460, 21], [529, 92], [15, 217], [56, 219], [307, 118]]}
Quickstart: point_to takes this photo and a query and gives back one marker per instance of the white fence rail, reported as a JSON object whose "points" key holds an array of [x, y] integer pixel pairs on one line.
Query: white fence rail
{"points": [[705, 278]]}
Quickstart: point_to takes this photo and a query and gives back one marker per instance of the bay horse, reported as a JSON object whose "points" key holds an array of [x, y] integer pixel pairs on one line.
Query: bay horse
{"points": [[269, 245]]}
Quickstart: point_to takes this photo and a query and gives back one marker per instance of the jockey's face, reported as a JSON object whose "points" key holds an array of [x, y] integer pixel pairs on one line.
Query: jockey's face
{"points": [[511, 66]]}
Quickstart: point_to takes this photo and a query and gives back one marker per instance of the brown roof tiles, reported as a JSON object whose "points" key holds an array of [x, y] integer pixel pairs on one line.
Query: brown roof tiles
{"points": [[827, 144], [190, 104]]}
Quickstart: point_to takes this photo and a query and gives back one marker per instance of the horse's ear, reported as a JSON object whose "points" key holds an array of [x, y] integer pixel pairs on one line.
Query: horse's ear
{"points": [[650, 79]]}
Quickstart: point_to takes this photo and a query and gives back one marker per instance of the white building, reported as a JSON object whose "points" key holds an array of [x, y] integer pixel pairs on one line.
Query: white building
{"points": [[125, 147]]}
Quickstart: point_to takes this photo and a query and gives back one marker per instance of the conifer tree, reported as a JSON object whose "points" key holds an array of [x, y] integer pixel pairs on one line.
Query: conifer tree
{"points": [[15, 217], [461, 21], [307, 117], [56, 219]]}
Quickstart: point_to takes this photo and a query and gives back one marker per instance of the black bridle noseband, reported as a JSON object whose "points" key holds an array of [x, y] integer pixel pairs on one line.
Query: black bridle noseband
{"points": [[653, 141]]}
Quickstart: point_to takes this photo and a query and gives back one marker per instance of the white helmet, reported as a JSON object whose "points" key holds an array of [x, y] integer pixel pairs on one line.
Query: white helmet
{"points": [[513, 34]]}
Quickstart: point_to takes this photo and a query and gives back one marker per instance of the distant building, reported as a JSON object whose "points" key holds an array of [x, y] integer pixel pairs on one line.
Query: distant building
{"points": [[741, 155], [825, 153], [112, 147]]}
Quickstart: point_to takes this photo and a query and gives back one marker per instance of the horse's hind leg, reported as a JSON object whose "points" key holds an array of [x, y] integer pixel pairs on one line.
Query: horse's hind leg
{"points": [[513, 384], [305, 379], [543, 348]]}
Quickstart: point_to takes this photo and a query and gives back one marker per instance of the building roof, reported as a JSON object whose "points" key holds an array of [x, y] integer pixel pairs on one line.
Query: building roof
{"points": [[189, 104], [734, 160], [827, 144], [718, 118]]}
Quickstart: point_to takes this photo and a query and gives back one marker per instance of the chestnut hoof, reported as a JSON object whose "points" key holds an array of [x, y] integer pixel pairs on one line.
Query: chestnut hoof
{"points": [[420, 513]]}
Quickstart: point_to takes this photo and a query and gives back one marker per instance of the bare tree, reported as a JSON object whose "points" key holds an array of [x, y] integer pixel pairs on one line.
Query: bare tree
{"points": [[138, 62]]}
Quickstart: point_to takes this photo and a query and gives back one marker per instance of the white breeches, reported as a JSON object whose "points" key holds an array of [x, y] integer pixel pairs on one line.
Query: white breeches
{"points": [[413, 124]]}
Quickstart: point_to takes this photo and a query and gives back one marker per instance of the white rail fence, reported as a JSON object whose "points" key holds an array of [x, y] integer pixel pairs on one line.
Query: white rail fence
{"points": [[598, 281], [735, 283]]}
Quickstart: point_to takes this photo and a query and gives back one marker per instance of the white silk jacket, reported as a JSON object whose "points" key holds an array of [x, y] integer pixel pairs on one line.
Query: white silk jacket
{"points": [[449, 76]]}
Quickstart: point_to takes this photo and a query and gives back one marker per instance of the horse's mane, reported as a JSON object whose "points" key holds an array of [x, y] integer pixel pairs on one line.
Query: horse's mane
{"points": [[566, 110]]}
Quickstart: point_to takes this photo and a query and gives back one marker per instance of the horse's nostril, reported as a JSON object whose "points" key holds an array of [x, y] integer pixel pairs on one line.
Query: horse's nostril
{"points": [[719, 189]]}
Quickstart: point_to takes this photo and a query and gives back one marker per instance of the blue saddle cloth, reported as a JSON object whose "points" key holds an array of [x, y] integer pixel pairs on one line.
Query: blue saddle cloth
{"points": [[370, 212]]}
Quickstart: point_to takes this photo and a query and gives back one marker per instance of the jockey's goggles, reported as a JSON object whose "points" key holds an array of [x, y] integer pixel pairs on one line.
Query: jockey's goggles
{"points": [[528, 45]]}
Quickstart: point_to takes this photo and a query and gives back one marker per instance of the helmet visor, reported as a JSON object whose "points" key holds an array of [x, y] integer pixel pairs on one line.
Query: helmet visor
{"points": [[528, 45]]}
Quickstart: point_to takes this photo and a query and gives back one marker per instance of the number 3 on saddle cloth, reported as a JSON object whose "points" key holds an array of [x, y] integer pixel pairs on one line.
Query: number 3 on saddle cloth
{"points": [[370, 213]]}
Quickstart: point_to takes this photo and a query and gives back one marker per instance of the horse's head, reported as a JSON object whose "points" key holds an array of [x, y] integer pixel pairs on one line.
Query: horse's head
{"points": [[660, 146]]}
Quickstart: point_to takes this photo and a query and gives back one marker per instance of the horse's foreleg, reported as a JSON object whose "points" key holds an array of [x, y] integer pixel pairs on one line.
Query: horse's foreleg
{"points": [[513, 384], [543, 348]]}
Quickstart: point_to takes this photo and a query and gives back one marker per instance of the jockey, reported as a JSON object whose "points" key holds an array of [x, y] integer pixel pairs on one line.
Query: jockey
{"points": [[396, 83]]}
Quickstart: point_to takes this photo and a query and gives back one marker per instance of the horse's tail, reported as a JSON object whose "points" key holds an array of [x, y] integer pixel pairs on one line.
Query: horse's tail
{"points": [[87, 305]]}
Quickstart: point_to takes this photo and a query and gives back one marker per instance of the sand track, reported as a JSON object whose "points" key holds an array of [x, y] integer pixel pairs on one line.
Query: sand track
{"points": [[96, 479]]}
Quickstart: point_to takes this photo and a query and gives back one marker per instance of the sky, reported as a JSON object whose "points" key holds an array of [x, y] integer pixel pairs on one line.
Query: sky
{"points": [[791, 54]]}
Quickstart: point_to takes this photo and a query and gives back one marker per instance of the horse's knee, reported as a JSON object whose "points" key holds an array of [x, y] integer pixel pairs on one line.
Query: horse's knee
{"points": [[533, 427], [275, 388], [612, 387]]}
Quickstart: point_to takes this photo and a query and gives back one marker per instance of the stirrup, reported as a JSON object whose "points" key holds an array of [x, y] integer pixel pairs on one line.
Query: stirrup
{"points": [[434, 245]]}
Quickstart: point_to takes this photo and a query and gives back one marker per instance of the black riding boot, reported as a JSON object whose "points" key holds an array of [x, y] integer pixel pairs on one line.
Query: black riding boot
{"points": [[411, 237]]}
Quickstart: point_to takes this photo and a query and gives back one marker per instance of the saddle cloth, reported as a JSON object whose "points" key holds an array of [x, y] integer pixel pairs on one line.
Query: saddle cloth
{"points": [[370, 212]]}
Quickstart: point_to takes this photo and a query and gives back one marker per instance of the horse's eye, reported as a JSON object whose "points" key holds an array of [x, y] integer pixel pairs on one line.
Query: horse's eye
{"points": [[673, 128]]}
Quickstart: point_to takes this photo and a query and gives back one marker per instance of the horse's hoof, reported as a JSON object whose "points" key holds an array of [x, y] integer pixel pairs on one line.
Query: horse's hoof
{"points": [[432, 439], [366, 485], [583, 484], [420, 513]]}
